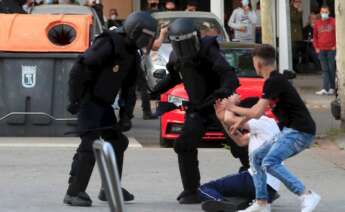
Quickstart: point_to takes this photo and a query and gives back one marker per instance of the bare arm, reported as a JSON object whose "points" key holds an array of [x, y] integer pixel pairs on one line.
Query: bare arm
{"points": [[158, 42], [255, 112], [239, 138]]}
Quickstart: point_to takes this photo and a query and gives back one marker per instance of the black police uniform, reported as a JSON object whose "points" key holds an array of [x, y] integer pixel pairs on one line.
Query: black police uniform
{"points": [[206, 77], [94, 82]]}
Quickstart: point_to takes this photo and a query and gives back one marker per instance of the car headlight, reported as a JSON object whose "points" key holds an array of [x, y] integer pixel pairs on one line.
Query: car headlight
{"points": [[159, 60], [178, 101]]}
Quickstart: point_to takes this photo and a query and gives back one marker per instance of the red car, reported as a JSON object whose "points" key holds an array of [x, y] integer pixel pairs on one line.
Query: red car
{"points": [[239, 56]]}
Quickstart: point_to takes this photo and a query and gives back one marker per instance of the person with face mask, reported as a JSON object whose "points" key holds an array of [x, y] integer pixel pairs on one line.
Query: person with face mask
{"points": [[95, 80], [12, 6], [243, 21], [112, 20], [324, 40]]}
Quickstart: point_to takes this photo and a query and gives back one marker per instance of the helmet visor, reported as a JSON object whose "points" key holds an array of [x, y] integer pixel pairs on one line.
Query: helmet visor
{"points": [[145, 40], [185, 46]]}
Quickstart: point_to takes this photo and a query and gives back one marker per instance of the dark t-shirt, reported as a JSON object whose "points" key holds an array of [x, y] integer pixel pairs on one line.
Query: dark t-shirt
{"points": [[287, 105]]}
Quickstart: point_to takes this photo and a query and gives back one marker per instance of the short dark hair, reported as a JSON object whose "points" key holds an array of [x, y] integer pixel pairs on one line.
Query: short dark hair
{"points": [[325, 6], [249, 102], [265, 52]]}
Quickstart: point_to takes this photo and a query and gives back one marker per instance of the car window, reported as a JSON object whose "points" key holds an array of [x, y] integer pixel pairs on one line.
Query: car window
{"points": [[241, 60], [206, 26]]}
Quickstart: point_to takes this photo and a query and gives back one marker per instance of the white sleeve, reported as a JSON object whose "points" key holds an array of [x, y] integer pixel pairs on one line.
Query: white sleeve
{"points": [[254, 126], [233, 22], [252, 17]]}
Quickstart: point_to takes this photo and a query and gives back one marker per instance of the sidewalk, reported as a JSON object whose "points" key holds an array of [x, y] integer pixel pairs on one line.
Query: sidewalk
{"points": [[319, 106], [34, 179]]}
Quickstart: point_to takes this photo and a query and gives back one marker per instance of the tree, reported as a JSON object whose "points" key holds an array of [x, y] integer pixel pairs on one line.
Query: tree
{"points": [[340, 28], [267, 23]]}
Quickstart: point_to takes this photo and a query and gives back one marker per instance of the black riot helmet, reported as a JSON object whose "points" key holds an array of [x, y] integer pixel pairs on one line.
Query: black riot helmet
{"points": [[184, 37], [140, 28]]}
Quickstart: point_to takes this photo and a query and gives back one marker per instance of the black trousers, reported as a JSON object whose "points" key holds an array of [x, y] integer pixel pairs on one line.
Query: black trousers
{"points": [[186, 148], [93, 115]]}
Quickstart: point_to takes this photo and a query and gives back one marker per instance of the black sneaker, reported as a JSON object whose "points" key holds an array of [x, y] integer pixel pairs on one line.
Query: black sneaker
{"points": [[82, 199], [126, 195], [229, 205], [242, 169], [275, 197], [191, 198]]}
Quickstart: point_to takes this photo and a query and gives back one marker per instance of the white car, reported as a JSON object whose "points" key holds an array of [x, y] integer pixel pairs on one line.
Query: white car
{"points": [[155, 64]]}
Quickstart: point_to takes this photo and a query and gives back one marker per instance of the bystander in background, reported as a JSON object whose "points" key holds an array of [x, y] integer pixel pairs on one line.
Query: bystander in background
{"points": [[243, 21], [324, 40]]}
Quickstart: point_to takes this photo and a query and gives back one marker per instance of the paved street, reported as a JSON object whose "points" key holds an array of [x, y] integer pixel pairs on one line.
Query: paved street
{"points": [[34, 178], [34, 170]]}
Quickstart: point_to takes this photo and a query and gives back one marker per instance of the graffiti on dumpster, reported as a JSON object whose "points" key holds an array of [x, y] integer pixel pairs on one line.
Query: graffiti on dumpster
{"points": [[29, 76]]}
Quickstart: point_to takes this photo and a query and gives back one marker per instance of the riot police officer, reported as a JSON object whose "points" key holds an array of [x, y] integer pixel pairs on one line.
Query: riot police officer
{"points": [[94, 82], [200, 66]]}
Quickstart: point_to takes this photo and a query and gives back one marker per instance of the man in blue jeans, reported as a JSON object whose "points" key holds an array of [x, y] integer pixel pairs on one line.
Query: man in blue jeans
{"points": [[240, 187], [297, 134], [324, 40]]}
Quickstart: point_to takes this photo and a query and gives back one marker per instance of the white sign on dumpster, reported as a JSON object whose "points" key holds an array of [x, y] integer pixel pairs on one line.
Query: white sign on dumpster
{"points": [[29, 76]]}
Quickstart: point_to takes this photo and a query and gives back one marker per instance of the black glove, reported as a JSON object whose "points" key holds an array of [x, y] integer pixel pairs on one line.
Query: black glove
{"points": [[154, 96], [73, 108]]}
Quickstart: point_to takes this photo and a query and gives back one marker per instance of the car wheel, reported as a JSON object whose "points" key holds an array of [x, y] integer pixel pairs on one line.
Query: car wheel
{"points": [[163, 142]]}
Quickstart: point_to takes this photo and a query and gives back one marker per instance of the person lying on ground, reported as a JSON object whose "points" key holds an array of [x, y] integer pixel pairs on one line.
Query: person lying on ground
{"points": [[254, 133]]}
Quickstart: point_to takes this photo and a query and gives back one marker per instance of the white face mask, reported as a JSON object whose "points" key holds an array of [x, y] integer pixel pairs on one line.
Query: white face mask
{"points": [[324, 16], [113, 17]]}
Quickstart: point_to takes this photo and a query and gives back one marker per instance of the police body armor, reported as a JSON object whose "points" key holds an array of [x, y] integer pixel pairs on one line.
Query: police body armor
{"points": [[102, 81], [122, 63]]}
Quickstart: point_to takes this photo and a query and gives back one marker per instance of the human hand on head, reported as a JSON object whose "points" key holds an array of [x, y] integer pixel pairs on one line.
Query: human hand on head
{"points": [[235, 126], [232, 101], [219, 108], [235, 98]]}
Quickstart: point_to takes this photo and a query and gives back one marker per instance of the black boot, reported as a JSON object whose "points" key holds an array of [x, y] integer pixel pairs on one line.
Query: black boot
{"points": [[126, 195], [82, 199], [190, 176], [125, 123], [79, 182]]}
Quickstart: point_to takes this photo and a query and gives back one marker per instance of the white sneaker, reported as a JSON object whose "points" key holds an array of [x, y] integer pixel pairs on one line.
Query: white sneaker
{"points": [[309, 201], [331, 92], [257, 208], [322, 92]]}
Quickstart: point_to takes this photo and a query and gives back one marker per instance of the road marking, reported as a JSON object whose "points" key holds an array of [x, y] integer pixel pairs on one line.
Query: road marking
{"points": [[133, 143]]}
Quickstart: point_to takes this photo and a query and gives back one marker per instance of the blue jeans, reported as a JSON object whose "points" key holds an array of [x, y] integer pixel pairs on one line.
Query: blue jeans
{"points": [[269, 157], [328, 66], [237, 185]]}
